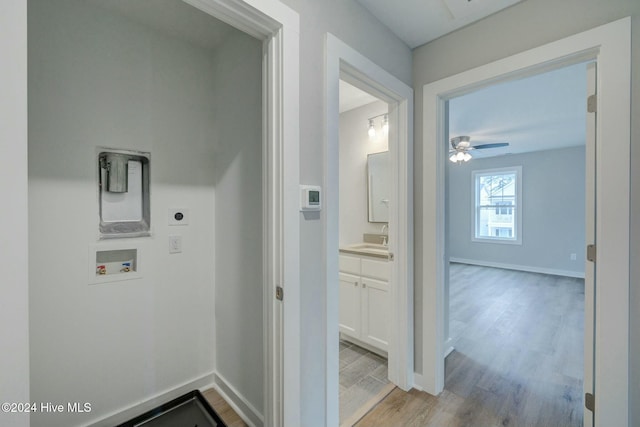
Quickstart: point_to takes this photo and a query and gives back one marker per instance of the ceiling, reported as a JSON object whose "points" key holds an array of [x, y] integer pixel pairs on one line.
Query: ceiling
{"points": [[542, 112], [418, 22], [351, 97]]}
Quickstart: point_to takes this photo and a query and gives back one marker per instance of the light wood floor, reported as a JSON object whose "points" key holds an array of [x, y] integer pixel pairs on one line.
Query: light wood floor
{"points": [[222, 408], [518, 358]]}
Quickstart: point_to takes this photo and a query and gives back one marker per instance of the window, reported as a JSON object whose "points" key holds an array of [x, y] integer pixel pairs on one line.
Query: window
{"points": [[497, 208]]}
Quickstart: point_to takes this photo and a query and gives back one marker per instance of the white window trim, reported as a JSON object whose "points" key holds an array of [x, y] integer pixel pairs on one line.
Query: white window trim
{"points": [[518, 206]]}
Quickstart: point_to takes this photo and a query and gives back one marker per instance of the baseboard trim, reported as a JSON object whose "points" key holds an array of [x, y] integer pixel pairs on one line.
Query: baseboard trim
{"points": [[448, 345], [125, 414], [417, 381], [243, 408], [530, 269], [369, 347]]}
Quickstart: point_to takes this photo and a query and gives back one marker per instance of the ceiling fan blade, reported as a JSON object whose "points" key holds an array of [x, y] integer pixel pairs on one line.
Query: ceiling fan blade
{"points": [[494, 145]]}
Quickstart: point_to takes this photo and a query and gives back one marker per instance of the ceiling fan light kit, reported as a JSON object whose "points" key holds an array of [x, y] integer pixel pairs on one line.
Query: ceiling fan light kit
{"points": [[459, 157], [461, 145]]}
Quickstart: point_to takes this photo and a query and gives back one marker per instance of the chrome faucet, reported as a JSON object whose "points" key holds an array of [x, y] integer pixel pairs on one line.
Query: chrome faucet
{"points": [[385, 227]]}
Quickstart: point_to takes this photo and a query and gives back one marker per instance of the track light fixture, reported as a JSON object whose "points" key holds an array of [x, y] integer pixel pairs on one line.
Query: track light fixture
{"points": [[384, 125]]}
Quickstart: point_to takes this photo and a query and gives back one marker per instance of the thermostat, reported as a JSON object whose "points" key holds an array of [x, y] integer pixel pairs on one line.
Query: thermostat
{"points": [[310, 198]]}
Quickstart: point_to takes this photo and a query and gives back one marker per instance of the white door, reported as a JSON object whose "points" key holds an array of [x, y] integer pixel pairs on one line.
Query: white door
{"points": [[590, 238]]}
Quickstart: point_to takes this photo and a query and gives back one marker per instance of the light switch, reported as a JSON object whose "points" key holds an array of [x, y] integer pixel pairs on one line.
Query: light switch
{"points": [[175, 244]]}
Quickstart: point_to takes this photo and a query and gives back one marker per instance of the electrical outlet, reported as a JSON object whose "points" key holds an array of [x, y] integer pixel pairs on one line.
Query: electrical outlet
{"points": [[179, 216], [175, 244], [572, 257]]}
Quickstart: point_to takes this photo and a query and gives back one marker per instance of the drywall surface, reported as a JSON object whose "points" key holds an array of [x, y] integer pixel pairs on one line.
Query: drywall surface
{"points": [[553, 219], [14, 311], [351, 23], [355, 145], [238, 217], [516, 29], [98, 80]]}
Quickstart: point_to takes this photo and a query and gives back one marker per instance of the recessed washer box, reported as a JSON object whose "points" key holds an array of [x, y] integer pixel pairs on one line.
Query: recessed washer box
{"points": [[109, 262]]}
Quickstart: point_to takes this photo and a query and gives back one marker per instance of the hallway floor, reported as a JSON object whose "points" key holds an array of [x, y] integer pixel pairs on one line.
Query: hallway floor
{"points": [[518, 358]]}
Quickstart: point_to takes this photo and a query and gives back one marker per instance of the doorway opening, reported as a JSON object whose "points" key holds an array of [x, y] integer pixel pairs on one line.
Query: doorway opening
{"points": [[344, 63], [364, 233], [602, 44], [515, 244]]}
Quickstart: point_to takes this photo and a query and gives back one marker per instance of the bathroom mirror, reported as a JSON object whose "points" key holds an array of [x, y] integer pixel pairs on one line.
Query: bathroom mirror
{"points": [[379, 186]]}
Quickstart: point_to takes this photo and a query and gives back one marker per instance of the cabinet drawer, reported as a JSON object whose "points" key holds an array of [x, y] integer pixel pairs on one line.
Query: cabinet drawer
{"points": [[350, 264], [376, 269]]}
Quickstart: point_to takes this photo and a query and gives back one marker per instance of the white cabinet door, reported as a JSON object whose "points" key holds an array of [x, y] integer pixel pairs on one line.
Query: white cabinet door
{"points": [[375, 313], [350, 311]]}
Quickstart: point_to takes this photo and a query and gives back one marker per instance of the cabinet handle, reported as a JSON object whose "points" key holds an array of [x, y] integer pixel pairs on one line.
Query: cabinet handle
{"points": [[356, 284], [364, 285]]}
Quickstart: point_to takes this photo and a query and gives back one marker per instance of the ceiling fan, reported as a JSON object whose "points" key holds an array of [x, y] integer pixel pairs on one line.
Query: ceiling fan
{"points": [[461, 145]]}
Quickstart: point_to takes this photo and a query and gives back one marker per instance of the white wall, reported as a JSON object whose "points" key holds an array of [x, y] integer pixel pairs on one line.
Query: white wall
{"points": [[96, 79], [514, 30], [355, 145], [14, 313], [553, 220], [351, 23], [238, 217]]}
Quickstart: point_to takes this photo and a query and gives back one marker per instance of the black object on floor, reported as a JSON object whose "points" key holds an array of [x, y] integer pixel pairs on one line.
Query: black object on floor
{"points": [[189, 410]]}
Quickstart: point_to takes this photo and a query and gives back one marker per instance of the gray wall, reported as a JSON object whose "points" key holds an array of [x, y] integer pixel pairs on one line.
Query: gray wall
{"points": [[553, 218], [98, 79], [348, 21], [238, 217], [518, 28]]}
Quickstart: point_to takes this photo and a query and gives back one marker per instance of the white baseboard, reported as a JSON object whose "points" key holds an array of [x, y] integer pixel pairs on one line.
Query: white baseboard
{"points": [[448, 347], [249, 414], [417, 381], [369, 347], [552, 271], [138, 408]]}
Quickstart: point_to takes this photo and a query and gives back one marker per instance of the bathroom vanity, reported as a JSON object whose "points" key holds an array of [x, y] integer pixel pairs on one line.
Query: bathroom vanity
{"points": [[364, 295]]}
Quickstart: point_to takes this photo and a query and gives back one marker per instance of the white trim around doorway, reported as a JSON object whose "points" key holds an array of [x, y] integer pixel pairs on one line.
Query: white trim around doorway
{"points": [[278, 26], [343, 62], [610, 46]]}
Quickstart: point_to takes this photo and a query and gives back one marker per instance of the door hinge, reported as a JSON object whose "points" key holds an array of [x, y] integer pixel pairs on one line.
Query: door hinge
{"points": [[591, 253], [279, 293], [592, 104], [589, 402]]}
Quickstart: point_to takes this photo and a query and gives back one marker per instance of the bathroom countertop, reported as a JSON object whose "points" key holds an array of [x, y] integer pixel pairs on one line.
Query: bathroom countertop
{"points": [[367, 249]]}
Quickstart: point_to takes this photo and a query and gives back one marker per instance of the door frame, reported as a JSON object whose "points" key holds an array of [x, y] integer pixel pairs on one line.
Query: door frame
{"points": [[610, 46], [278, 27], [343, 62]]}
